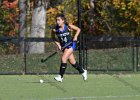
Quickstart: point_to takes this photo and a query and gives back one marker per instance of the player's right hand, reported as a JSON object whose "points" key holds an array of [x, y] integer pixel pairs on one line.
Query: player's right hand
{"points": [[59, 47]]}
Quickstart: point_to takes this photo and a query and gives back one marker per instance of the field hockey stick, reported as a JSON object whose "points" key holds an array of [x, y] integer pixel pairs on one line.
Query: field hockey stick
{"points": [[44, 60]]}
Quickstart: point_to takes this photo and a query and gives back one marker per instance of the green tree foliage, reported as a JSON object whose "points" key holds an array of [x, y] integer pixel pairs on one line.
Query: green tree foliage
{"points": [[113, 17], [117, 17], [8, 18], [69, 8]]}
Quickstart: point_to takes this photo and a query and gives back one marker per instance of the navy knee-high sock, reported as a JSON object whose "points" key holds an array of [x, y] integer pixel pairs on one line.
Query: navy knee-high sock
{"points": [[78, 67], [62, 69]]}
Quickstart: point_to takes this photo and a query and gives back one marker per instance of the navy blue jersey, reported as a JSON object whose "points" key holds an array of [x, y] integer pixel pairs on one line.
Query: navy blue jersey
{"points": [[64, 36]]}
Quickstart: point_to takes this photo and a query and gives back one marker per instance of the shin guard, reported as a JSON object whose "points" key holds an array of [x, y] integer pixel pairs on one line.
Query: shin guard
{"points": [[62, 69]]}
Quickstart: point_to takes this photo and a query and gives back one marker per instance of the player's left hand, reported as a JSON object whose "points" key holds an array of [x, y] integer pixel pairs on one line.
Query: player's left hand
{"points": [[75, 39]]}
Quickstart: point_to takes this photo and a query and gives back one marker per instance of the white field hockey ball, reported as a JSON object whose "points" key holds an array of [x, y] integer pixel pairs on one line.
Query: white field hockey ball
{"points": [[41, 81]]}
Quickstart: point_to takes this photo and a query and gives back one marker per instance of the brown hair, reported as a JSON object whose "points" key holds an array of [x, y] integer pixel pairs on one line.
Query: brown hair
{"points": [[62, 16]]}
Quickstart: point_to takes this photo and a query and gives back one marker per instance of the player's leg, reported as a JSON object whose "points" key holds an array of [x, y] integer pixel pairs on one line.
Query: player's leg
{"points": [[77, 66], [63, 66]]}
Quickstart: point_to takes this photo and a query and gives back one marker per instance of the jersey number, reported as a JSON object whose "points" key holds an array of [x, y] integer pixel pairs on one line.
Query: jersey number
{"points": [[64, 39]]}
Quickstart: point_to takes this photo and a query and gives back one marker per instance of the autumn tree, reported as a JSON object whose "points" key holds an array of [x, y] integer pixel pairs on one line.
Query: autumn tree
{"points": [[38, 26]]}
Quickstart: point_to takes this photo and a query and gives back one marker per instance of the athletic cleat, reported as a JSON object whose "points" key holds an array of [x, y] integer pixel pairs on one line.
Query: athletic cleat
{"points": [[84, 75], [58, 78]]}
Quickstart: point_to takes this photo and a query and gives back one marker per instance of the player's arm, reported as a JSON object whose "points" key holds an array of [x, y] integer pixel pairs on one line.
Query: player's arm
{"points": [[77, 29], [55, 40]]}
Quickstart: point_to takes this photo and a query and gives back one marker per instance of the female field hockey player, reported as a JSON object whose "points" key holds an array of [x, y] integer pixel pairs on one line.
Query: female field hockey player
{"points": [[62, 31]]}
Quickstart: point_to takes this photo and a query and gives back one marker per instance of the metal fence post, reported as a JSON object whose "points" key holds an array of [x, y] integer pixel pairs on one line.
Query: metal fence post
{"points": [[133, 57], [25, 56], [80, 38], [134, 54], [137, 58]]}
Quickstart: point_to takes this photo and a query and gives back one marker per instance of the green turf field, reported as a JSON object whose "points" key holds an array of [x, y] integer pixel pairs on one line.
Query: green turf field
{"points": [[97, 87]]}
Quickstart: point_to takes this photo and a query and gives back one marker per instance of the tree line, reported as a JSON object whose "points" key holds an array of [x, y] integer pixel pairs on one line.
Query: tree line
{"points": [[98, 17]]}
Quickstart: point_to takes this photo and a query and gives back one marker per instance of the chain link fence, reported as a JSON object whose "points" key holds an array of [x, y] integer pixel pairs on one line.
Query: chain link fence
{"points": [[98, 52], [13, 62], [112, 54], [116, 54]]}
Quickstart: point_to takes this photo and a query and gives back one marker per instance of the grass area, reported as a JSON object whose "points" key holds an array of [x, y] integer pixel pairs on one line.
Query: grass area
{"points": [[97, 87], [11, 63], [115, 58], [108, 59], [16, 63]]}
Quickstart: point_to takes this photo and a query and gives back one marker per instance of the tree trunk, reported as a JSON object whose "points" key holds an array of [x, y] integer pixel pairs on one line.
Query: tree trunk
{"points": [[92, 15], [38, 26], [22, 24]]}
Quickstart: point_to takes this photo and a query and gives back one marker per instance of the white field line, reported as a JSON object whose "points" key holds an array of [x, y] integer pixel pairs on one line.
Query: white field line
{"points": [[95, 97]]}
